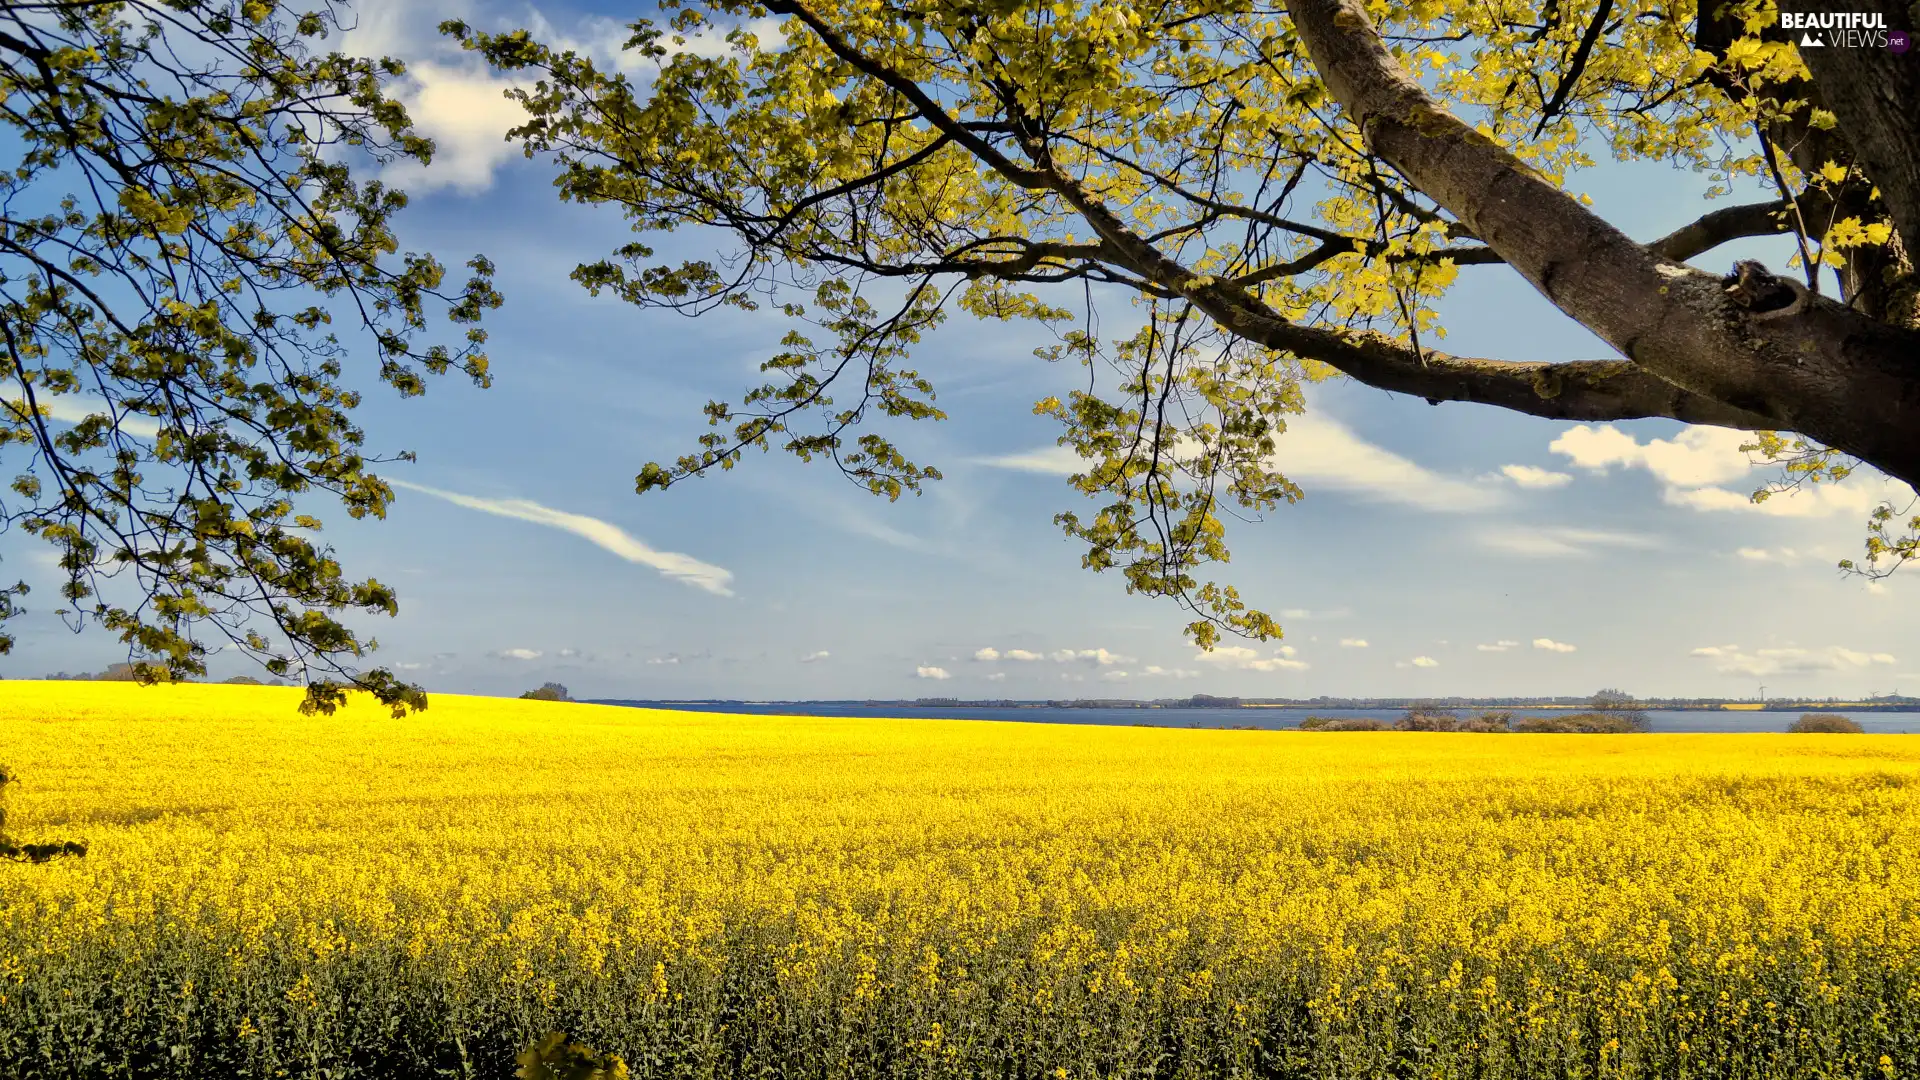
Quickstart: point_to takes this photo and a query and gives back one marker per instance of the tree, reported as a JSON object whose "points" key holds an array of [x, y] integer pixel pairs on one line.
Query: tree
{"points": [[552, 691], [183, 217], [1287, 188]]}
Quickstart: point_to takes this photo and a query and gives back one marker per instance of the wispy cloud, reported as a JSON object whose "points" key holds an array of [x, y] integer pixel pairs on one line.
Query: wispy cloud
{"points": [[1498, 646], [679, 567], [73, 408], [1317, 450], [1353, 643], [1554, 541], [1534, 478], [1733, 660], [815, 657], [1550, 645]]}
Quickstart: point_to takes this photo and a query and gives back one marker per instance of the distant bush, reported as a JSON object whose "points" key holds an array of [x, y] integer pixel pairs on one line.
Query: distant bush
{"points": [[552, 691], [1488, 720], [1341, 723], [1420, 718], [1588, 723], [1824, 723]]}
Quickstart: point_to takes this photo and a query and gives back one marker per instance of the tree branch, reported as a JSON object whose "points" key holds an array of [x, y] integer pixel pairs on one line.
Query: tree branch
{"points": [[1721, 226]]}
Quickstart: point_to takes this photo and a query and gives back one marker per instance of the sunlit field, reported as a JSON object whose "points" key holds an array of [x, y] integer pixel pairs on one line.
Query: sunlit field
{"points": [[720, 896]]}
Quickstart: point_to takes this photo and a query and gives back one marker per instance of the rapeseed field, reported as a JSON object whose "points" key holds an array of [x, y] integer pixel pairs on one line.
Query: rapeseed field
{"points": [[268, 895]]}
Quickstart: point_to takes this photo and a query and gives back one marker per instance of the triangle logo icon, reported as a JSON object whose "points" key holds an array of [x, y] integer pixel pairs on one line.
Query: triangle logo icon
{"points": [[1808, 41]]}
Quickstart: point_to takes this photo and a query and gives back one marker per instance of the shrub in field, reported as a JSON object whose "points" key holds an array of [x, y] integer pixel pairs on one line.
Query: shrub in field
{"points": [[552, 691], [1824, 723], [1341, 723], [1421, 718], [1587, 723], [1488, 720]]}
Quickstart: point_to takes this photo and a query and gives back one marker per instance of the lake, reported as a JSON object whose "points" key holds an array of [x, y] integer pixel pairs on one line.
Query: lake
{"points": [[1669, 720]]}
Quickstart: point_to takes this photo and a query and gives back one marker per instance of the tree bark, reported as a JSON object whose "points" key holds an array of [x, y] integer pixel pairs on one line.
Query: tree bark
{"points": [[1803, 362]]}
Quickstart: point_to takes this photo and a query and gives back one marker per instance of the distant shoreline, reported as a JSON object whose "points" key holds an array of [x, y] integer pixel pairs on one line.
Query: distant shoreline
{"points": [[1902, 704]]}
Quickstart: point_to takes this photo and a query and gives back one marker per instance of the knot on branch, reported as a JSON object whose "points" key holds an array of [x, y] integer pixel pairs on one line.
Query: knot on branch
{"points": [[1767, 295]]}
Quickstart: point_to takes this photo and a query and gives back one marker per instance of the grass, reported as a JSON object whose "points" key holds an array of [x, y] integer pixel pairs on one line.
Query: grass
{"points": [[716, 896]]}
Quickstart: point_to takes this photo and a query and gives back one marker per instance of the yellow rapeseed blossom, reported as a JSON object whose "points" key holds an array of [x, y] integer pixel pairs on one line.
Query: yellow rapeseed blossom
{"points": [[271, 894]]}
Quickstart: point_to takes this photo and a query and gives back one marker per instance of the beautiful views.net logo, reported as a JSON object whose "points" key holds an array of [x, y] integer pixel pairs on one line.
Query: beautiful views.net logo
{"points": [[1845, 29]]}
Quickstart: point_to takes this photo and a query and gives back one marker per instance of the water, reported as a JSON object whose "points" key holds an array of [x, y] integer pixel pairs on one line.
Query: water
{"points": [[1664, 720]]}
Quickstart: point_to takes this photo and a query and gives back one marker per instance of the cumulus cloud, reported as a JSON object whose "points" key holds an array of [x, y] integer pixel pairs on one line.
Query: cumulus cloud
{"points": [[927, 672], [518, 654], [815, 657], [1534, 478], [1157, 671], [1353, 643], [1550, 645], [1694, 464], [1733, 660], [1023, 655], [1544, 542], [988, 653], [1419, 662], [1498, 646], [1096, 657], [1241, 658], [1696, 457], [602, 534]]}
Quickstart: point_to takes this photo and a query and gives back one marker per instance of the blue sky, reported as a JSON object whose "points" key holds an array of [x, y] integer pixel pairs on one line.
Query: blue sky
{"points": [[1439, 550]]}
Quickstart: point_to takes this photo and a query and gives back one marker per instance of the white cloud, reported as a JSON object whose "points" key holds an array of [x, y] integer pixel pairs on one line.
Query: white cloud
{"points": [[1763, 555], [1808, 500], [1534, 478], [816, 657], [1353, 643], [988, 653], [73, 408], [1317, 450], [1694, 458], [567, 654], [1296, 613], [603, 534], [1693, 464], [1498, 646], [670, 658], [1550, 645], [1424, 662], [998, 676], [1157, 671], [1113, 676], [1096, 657], [455, 99], [1022, 655], [1241, 658], [518, 654], [1555, 541], [1733, 660], [926, 672]]}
